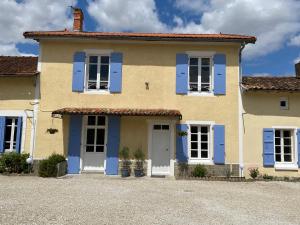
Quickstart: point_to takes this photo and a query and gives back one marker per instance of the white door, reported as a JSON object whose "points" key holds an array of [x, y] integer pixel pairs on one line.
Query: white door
{"points": [[160, 155], [95, 144]]}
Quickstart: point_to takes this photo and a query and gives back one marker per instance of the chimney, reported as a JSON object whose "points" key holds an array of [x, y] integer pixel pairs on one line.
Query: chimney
{"points": [[78, 19], [297, 68]]}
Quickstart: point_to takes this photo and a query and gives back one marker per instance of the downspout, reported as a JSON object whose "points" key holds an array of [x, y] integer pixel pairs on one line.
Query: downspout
{"points": [[240, 115]]}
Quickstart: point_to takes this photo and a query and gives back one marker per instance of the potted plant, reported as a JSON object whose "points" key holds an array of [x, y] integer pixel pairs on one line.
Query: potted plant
{"points": [[139, 157], [125, 165]]}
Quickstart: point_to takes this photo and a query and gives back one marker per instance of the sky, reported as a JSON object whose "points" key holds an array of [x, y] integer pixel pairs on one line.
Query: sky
{"points": [[275, 23]]}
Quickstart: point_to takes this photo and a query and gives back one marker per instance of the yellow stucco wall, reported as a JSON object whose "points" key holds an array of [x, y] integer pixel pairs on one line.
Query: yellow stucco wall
{"points": [[147, 62], [262, 111], [17, 93]]}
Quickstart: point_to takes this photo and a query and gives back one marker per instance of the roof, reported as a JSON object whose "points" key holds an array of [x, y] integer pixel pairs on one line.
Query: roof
{"points": [[118, 112], [18, 66], [140, 36], [271, 83]]}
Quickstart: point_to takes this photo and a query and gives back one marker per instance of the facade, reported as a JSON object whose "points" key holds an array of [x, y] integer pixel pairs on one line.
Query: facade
{"points": [[175, 96]]}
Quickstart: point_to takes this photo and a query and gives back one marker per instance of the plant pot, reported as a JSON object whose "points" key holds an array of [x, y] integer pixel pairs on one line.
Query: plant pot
{"points": [[138, 172], [125, 172]]}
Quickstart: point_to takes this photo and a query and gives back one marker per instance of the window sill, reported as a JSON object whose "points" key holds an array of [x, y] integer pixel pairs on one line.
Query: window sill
{"points": [[100, 92], [286, 166], [205, 94], [200, 161]]}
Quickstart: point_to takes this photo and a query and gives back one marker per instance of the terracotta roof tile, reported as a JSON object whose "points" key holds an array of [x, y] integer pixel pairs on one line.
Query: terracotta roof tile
{"points": [[271, 83], [141, 36], [117, 111], [18, 66]]}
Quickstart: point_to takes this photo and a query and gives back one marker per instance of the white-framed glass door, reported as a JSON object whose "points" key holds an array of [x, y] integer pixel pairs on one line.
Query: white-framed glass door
{"points": [[10, 138]]}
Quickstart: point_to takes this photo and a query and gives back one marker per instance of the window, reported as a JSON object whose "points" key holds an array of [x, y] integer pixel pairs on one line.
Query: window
{"points": [[10, 138], [199, 142], [200, 74], [95, 134], [284, 146], [97, 72], [284, 104]]}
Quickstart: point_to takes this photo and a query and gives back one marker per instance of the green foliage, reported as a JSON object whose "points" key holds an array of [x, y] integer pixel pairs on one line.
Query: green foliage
{"points": [[124, 153], [48, 167], [199, 171], [13, 162], [183, 169], [139, 156], [267, 177], [253, 172]]}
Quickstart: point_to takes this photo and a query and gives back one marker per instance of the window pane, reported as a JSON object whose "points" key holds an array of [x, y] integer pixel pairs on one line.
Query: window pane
{"points": [[287, 149], [194, 129], [15, 133], [277, 149], [105, 59], [193, 87], [286, 133], [277, 133], [8, 121], [92, 85], [287, 158], [7, 133], [205, 61], [204, 129], [194, 74], [194, 154], [90, 136], [194, 137], [194, 145], [104, 73], [277, 141], [204, 154], [93, 72], [205, 75], [99, 148], [204, 137], [278, 158], [89, 148], [157, 127], [100, 136], [91, 120], [287, 141], [104, 85], [93, 59], [204, 146], [165, 127], [193, 61], [101, 120]]}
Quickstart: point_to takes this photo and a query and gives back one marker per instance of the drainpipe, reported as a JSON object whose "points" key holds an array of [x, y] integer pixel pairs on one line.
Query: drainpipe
{"points": [[240, 115]]}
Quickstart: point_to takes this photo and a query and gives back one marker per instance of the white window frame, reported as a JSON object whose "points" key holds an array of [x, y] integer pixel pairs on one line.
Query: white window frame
{"points": [[288, 165], [11, 141], [95, 127], [86, 80], [209, 160], [287, 103], [200, 55]]}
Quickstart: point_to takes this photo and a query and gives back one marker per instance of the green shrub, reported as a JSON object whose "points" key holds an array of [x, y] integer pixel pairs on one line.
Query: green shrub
{"points": [[199, 171], [48, 167], [13, 162], [253, 172], [267, 177], [183, 169]]}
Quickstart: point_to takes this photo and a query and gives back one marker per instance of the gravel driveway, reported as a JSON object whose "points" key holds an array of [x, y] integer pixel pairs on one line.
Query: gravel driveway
{"points": [[95, 199]]}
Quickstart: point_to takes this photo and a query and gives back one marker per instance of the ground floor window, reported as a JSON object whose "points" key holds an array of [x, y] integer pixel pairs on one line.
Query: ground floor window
{"points": [[95, 134], [284, 150], [10, 137], [199, 138]]}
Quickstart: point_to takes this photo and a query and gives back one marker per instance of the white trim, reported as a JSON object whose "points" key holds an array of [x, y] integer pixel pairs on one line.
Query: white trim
{"points": [[201, 53], [286, 166], [171, 123], [285, 127]]}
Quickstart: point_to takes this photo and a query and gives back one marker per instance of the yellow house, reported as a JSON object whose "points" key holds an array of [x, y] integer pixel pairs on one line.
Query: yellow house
{"points": [[174, 96]]}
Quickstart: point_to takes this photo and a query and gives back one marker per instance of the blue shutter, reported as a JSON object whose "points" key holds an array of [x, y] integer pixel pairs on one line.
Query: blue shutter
{"points": [[298, 146], [115, 75], [78, 72], [220, 74], [2, 133], [74, 144], [113, 142], [219, 144], [182, 61], [181, 143], [19, 135], [268, 147]]}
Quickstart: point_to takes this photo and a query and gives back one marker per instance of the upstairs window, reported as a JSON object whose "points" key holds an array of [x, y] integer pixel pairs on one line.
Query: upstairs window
{"points": [[97, 72], [284, 150], [200, 79]]}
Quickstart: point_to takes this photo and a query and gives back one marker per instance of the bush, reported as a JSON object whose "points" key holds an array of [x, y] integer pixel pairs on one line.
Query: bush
{"points": [[13, 162], [183, 169], [199, 171], [267, 177], [48, 167], [253, 172]]}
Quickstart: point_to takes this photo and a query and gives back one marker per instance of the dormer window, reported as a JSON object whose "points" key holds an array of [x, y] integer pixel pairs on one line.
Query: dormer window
{"points": [[284, 104], [97, 72]]}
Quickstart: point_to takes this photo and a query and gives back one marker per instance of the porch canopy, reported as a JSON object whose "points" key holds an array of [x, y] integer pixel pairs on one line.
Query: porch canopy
{"points": [[118, 112]]}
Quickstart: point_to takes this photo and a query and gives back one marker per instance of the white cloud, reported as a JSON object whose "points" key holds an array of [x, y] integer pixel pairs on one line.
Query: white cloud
{"points": [[192, 6], [295, 40], [17, 17], [130, 15], [297, 59]]}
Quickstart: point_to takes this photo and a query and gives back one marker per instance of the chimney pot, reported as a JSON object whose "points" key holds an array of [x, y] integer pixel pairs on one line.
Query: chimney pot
{"points": [[78, 19], [297, 68]]}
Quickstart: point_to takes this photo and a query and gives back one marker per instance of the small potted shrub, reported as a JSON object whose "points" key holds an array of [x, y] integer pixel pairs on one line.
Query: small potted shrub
{"points": [[139, 157], [125, 165]]}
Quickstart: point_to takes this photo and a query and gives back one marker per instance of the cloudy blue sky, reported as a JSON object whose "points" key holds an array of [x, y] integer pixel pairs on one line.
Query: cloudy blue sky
{"points": [[276, 23]]}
